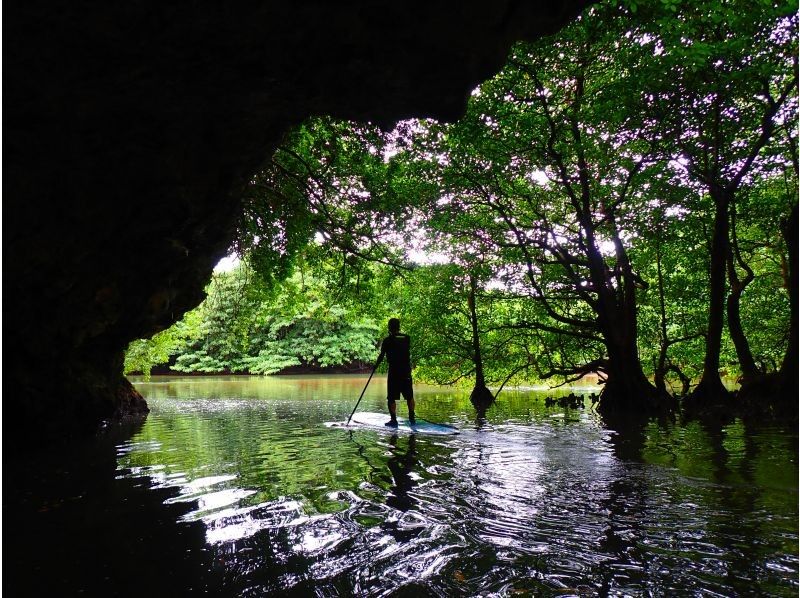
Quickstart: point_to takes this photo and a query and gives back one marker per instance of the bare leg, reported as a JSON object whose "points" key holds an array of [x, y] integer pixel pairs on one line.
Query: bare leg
{"points": [[411, 415], [393, 413]]}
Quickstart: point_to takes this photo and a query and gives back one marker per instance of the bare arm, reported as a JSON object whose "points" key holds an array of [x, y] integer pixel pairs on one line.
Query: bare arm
{"points": [[380, 356]]}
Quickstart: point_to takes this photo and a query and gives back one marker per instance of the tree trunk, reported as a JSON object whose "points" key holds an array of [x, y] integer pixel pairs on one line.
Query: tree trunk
{"points": [[686, 383], [747, 364], [660, 373], [710, 389], [788, 371], [481, 395], [776, 393], [627, 388]]}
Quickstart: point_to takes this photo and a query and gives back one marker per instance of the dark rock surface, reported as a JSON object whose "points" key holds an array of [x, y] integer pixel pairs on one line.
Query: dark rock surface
{"points": [[131, 127]]}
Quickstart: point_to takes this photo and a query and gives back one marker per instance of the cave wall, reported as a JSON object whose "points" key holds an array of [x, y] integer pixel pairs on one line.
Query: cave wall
{"points": [[130, 129]]}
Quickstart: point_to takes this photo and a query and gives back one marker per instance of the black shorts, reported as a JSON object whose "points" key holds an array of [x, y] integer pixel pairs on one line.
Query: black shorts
{"points": [[399, 385]]}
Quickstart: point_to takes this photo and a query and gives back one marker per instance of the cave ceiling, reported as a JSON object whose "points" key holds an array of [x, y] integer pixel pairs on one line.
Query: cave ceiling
{"points": [[130, 128]]}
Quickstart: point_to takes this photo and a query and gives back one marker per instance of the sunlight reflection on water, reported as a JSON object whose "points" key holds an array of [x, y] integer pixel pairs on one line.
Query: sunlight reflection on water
{"points": [[520, 502]]}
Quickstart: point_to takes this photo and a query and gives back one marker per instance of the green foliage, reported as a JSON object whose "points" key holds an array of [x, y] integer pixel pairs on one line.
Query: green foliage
{"points": [[143, 354], [765, 312], [245, 326], [329, 180], [577, 192]]}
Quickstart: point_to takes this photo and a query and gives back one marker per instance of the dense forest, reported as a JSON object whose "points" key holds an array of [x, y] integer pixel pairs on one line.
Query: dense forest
{"points": [[619, 201]]}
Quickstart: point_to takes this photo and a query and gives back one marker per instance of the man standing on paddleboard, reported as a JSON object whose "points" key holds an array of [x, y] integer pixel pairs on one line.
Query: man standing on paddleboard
{"points": [[397, 349]]}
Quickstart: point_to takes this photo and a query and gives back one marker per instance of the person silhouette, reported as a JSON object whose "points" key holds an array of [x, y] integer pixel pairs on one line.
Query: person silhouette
{"points": [[397, 349]]}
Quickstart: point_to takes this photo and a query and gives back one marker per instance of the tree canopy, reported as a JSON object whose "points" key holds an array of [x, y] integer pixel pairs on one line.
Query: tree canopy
{"points": [[620, 200]]}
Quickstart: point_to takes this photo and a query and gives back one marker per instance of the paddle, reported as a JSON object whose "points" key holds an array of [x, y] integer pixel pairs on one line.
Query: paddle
{"points": [[362, 395]]}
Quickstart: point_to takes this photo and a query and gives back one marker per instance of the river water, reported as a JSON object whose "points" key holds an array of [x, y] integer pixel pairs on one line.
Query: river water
{"points": [[528, 500]]}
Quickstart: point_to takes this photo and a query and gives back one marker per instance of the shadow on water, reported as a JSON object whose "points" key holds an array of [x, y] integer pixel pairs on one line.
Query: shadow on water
{"points": [[70, 528], [722, 455], [734, 448], [626, 504], [628, 436], [398, 481], [401, 465]]}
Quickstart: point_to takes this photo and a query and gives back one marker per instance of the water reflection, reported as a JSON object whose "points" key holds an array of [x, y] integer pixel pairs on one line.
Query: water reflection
{"points": [[71, 529], [528, 499], [401, 465]]}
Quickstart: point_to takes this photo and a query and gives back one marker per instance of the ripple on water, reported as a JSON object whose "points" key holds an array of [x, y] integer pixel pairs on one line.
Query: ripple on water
{"points": [[525, 503]]}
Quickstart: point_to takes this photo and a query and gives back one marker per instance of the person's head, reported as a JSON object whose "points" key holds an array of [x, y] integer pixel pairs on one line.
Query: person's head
{"points": [[394, 326]]}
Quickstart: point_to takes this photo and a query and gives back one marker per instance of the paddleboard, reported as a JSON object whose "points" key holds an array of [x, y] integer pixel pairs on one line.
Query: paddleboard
{"points": [[376, 421]]}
